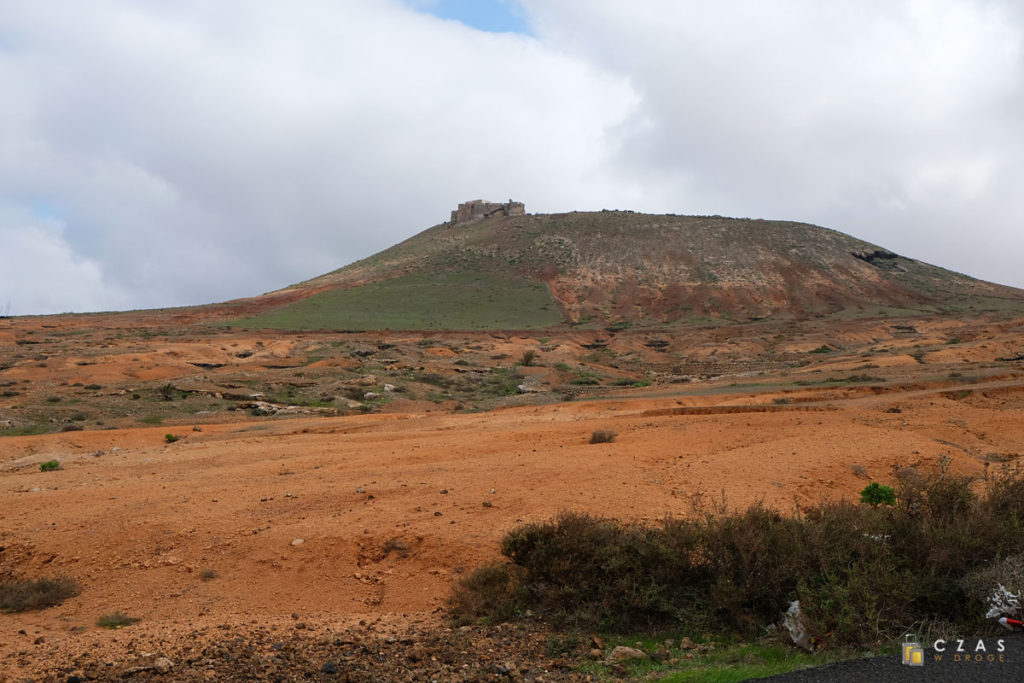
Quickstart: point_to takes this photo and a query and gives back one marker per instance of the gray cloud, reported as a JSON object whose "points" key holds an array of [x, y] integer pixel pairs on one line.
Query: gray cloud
{"points": [[898, 122], [155, 154]]}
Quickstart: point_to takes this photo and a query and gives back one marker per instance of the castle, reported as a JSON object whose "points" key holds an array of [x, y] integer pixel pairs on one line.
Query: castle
{"points": [[475, 209]]}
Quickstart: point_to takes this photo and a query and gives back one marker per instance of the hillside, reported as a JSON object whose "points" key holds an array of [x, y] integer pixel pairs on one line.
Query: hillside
{"points": [[615, 267]]}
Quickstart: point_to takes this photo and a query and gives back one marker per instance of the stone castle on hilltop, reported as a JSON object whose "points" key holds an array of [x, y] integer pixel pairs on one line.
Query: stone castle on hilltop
{"points": [[476, 209]]}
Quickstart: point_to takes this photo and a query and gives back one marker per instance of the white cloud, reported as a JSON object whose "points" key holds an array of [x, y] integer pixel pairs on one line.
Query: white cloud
{"points": [[42, 274], [200, 151], [205, 151]]}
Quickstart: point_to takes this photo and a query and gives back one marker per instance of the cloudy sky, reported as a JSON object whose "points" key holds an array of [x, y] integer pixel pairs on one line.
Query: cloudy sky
{"points": [[165, 153]]}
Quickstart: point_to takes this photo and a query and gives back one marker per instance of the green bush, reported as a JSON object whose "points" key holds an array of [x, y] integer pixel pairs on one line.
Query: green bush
{"points": [[862, 573], [876, 494], [49, 466]]}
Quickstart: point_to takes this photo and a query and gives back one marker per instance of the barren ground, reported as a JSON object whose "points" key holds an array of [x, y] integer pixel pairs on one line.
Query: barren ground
{"points": [[359, 522]]}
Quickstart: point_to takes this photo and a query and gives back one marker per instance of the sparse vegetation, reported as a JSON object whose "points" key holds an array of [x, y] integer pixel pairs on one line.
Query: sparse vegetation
{"points": [[862, 573], [49, 466], [528, 358], [19, 595], [397, 545], [208, 574], [116, 620], [171, 438], [585, 378], [602, 436]]}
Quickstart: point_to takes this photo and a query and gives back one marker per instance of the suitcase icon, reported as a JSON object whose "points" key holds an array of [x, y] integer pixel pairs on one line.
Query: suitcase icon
{"points": [[913, 653]]}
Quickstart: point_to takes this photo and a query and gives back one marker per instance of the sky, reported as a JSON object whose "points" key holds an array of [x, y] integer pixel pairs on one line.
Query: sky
{"points": [[163, 154]]}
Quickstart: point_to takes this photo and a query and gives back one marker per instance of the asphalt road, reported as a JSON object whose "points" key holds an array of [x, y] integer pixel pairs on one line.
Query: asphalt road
{"points": [[950, 665]]}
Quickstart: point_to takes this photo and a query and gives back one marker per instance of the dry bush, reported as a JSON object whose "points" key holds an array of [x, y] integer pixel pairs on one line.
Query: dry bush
{"points": [[116, 620], [396, 545], [19, 595], [603, 436]]}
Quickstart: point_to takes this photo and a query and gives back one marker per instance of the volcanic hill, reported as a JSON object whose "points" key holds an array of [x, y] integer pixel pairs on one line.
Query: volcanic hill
{"points": [[621, 267]]}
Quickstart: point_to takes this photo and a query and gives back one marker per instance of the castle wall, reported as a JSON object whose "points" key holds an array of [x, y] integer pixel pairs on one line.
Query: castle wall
{"points": [[477, 209]]}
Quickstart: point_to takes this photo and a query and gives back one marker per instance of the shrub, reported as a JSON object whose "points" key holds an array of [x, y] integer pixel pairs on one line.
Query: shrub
{"points": [[208, 574], [876, 494], [116, 620], [49, 466], [166, 391], [862, 573], [19, 595], [528, 358], [171, 438], [603, 436], [487, 594]]}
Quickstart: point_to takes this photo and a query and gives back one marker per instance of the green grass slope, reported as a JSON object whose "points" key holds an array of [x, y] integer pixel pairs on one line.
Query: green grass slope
{"points": [[423, 301]]}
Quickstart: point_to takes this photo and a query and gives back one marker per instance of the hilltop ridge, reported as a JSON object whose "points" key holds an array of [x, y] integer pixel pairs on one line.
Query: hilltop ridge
{"points": [[506, 269]]}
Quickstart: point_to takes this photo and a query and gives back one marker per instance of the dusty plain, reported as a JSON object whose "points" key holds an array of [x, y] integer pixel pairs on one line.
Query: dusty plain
{"points": [[330, 487]]}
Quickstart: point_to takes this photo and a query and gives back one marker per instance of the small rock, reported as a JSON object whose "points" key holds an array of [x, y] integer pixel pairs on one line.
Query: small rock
{"points": [[621, 653], [162, 664], [686, 644], [298, 541], [329, 668], [196, 428], [596, 653]]}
